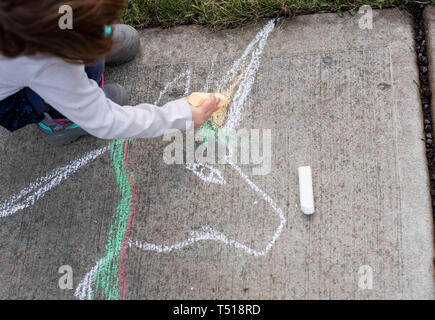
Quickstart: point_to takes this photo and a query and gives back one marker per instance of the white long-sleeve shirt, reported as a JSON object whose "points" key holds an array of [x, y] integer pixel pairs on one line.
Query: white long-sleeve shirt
{"points": [[66, 88]]}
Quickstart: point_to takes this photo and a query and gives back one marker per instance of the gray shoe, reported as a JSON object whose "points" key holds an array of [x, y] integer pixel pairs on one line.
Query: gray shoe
{"points": [[116, 93], [59, 131], [64, 131], [126, 43]]}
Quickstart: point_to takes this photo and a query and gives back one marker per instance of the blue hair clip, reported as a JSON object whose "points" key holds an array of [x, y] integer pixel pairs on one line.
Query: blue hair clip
{"points": [[107, 31]]}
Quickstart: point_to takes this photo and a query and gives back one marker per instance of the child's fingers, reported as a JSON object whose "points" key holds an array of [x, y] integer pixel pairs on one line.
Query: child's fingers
{"points": [[212, 99], [211, 105], [214, 107]]}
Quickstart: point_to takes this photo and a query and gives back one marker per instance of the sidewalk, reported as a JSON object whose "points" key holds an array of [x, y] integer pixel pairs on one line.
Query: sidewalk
{"points": [[337, 98]]}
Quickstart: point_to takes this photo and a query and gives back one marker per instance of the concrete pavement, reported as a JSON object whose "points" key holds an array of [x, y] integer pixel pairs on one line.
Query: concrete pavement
{"points": [[429, 17], [338, 98]]}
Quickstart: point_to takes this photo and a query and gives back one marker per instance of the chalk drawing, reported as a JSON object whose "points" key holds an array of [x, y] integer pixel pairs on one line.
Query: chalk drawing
{"points": [[241, 96], [214, 175], [244, 83], [207, 233], [188, 81], [233, 120], [107, 276], [210, 76], [210, 234], [108, 273], [84, 289], [262, 35], [37, 189], [187, 75], [132, 211], [103, 274]]}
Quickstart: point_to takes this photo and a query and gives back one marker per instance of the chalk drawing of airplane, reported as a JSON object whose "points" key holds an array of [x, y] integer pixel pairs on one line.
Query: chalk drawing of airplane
{"points": [[208, 173]]}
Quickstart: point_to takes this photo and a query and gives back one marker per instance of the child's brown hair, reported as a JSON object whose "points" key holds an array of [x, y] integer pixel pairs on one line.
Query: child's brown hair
{"points": [[29, 27]]}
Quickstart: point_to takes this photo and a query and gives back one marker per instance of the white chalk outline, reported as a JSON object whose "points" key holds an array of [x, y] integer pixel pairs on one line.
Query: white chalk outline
{"points": [[187, 74], [240, 98], [37, 189], [40, 186], [84, 289], [262, 35], [210, 76], [233, 119], [215, 175], [210, 234]]}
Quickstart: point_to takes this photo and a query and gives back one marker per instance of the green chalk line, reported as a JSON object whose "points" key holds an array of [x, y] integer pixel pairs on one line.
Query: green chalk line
{"points": [[209, 131], [106, 280]]}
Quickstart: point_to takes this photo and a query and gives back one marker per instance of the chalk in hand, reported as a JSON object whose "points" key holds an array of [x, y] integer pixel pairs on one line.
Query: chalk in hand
{"points": [[306, 190], [196, 99]]}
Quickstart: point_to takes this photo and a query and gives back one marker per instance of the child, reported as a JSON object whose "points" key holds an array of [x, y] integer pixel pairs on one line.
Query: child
{"points": [[54, 76]]}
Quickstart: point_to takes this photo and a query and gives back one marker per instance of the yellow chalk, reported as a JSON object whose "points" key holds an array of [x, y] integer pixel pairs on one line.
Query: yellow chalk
{"points": [[196, 99]]}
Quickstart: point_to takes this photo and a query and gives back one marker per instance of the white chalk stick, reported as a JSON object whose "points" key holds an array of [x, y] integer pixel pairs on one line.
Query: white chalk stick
{"points": [[306, 190]]}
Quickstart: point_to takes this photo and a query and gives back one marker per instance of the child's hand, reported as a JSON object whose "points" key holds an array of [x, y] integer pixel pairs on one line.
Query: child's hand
{"points": [[202, 113]]}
